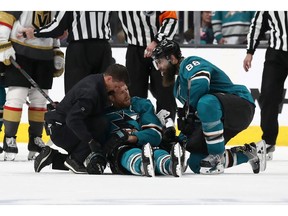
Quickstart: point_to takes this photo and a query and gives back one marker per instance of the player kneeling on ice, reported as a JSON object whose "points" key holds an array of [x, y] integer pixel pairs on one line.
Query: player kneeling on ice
{"points": [[214, 111], [78, 123], [134, 136]]}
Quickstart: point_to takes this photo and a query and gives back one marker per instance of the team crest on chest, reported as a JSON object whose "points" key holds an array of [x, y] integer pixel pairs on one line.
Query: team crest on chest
{"points": [[41, 18]]}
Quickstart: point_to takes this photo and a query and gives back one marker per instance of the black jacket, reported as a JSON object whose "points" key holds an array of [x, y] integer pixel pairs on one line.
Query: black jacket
{"points": [[83, 103]]}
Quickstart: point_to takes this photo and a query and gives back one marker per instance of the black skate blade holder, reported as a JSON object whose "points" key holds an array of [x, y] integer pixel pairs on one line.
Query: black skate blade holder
{"points": [[34, 84]]}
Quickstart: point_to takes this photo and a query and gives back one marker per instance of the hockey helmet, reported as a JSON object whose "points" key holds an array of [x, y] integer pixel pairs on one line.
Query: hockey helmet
{"points": [[165, 48]]}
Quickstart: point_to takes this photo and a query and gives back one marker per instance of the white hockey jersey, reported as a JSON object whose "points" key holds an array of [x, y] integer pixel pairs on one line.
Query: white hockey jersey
{"points": [[36, 48]]}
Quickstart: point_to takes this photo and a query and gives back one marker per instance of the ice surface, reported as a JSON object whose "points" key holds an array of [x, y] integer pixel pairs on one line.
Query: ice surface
{"points": [[24, 192], [238, 185]]}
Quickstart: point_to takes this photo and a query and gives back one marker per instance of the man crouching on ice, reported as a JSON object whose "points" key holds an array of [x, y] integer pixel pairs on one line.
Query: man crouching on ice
{"points": [[215, 110]]}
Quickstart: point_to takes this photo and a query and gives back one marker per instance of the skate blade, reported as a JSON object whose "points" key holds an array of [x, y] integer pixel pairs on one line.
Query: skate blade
{"points": [[32, 155], [8, 156], [269, 156], [261, 153], [212, 170], [178, 154], [148, 152]]}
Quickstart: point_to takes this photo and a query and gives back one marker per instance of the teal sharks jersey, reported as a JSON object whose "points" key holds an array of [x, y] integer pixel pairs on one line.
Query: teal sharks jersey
{"points": [[202, 77], [139, 119]]}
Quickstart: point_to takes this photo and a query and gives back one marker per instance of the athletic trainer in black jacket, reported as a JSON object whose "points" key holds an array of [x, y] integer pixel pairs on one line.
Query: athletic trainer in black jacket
{"points": [[77, 123]]}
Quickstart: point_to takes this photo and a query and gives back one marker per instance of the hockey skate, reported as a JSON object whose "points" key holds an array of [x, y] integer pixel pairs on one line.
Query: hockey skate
{"points": [[177, 160], [212, 164], [148, 167], [269, 151], [35, 145], [10, 148], [250, 150], [261, 147], [44, 158]]}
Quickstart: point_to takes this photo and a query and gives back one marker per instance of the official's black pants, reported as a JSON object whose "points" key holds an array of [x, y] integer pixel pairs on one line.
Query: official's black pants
{"points": [[63, 137], [273, 78], [85, 57]]}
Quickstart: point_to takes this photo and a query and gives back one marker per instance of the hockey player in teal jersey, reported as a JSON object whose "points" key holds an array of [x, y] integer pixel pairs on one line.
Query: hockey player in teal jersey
{"points": [[214, 111], [134, 131]]}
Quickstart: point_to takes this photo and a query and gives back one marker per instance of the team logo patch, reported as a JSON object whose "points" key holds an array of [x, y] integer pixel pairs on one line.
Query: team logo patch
{"points": [[41, 18]]}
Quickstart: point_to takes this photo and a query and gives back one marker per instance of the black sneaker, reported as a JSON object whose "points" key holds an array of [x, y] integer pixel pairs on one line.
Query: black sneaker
{"points": [[1, 149], [35, 145], [74, 166], [44, 158], [148, 168]]}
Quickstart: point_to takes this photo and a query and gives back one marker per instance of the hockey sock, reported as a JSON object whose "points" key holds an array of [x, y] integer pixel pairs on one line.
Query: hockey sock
{"points": [[36, 121], [131, 160], [162, 162], [11, 120], [234, 159]]}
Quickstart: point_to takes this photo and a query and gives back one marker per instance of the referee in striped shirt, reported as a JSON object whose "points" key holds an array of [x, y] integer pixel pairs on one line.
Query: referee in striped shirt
{"points": [[275, 68], [143, 31], [88, 51]]}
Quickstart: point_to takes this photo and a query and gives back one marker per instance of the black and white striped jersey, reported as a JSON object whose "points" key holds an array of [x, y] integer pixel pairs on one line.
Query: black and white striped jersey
{"points": [[276, 22], [143, 27], [81, 25]]}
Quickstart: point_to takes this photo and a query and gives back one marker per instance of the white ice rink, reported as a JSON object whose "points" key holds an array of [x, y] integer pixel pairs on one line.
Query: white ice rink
{"points": [[20, 185]]}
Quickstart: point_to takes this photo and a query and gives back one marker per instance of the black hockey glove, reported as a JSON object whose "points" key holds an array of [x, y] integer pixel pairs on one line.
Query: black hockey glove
{"points": [[169, 135], [118, 138], [186, 124], [51, 107], [95, 163]]}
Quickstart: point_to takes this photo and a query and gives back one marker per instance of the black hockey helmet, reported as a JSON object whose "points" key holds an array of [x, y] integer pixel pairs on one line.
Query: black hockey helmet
{"points": [[165, 48]]}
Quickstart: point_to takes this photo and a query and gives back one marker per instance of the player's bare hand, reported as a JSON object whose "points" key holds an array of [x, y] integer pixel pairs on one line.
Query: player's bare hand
{"points": [[26, 33], [64, 35], [247, 62], [149, 49]]}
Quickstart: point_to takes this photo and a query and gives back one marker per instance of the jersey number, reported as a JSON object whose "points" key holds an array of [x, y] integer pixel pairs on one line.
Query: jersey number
{"points": [[190, 66]]}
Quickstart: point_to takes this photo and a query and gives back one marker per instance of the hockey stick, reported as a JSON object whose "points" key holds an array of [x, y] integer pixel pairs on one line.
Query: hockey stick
{"points": [[29, 78]]}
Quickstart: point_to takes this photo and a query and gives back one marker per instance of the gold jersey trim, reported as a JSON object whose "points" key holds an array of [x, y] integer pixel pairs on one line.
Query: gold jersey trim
{"points": [[32, 46], [7, 19]]}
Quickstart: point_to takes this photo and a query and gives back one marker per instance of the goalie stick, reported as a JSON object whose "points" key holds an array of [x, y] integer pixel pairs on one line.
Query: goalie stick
{"points": [[29, 78]]}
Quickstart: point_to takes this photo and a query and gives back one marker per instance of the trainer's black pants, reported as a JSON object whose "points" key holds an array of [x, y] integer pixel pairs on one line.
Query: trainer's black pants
{"points": [[63, 137], [273, 78], [140, 70]]}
